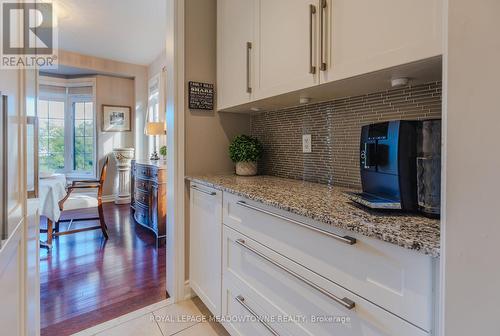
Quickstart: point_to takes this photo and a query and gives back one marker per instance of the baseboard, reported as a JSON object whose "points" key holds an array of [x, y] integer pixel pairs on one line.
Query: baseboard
{"points": [[188, 292], [108, 198]]}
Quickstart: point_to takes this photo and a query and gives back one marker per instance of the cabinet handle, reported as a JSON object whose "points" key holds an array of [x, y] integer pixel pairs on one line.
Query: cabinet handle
{"points": [[347, 303], [241, 301], [312, 11], [249, 49], [211, 193], [344, 239], [322, 16]]}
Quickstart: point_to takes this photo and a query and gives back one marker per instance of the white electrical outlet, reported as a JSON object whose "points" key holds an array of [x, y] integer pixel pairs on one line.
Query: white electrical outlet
{"points": [[306, 143]]}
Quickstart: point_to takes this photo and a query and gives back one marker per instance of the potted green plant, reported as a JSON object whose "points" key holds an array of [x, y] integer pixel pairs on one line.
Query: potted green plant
{"points": [[245, 151], [163, 152]]}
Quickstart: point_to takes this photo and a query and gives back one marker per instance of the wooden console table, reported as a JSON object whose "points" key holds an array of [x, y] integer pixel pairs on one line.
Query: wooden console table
{"points": [[149, 195]]}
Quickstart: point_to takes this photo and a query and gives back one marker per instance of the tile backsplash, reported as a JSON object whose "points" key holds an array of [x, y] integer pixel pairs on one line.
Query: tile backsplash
{"points": [[335, 128]]}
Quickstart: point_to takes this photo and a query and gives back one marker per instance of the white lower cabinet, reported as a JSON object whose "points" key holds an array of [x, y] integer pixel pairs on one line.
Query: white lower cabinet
{"points": [[291, 300], [205, 273], [398, 280], [268, 275]]}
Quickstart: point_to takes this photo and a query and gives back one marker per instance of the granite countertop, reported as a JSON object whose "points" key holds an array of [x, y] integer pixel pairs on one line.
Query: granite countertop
{"points": [[330, 205]]}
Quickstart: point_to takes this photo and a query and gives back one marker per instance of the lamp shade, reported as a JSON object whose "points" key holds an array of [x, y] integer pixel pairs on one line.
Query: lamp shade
{"points": [[155, 128]]}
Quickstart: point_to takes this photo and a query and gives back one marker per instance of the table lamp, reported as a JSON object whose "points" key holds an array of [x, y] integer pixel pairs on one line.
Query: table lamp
{"points": [[154, 129]]}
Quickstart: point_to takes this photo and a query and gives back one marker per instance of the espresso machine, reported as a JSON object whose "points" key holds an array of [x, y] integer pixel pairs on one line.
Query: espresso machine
{"points": [[399, 166]]}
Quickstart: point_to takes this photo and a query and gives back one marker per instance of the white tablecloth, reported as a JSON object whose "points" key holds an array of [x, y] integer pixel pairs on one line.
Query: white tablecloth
{"points": [[51, 191]]}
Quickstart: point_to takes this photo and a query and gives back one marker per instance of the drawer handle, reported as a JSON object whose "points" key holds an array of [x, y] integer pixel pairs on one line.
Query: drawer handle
{"points": [[347, 303], [343, 239], [323, 65], [241, 301], [211, 193]]}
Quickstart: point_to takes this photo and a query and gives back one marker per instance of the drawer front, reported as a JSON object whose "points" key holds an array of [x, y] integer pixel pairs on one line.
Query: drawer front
{"points": [[392, 277], [142, 185], [151, 173], [146, 172], [141, 215], [282, 289], [244, 313], [142, 197]]}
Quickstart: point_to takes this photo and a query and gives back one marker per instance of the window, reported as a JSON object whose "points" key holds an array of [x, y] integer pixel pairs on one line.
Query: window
{"points": [[51, 135], [83, 140], [153, 107], [67, 129]]}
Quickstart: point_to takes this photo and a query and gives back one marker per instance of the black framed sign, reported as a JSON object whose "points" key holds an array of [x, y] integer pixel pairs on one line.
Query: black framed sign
{"points": [[201, 96]]}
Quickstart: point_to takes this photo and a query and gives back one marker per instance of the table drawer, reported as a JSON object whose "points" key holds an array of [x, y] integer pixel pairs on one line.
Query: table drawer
{"points": [[396, 279], [142, 197], [281, 288], [150, 173], [143, 185]]}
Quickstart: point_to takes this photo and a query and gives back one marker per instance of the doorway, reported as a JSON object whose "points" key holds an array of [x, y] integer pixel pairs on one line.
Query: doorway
{"points": [[100, 98]]}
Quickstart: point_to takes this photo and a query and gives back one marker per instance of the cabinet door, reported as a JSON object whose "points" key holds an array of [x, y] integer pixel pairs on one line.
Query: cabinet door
{"points": [[286, 46], [235, 21], [205, 245], [364, 36]]}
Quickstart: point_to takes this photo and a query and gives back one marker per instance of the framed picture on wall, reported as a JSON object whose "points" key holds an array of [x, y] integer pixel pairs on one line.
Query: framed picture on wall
{"points": [[116, 118]]}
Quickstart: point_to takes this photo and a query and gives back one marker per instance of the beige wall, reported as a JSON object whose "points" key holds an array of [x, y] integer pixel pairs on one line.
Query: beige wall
{"points": [[157, 65], [471, 225], [208, 133], [113, 91]]}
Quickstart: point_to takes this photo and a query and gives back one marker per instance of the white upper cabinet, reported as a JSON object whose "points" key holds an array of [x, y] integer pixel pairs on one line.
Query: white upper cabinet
{"points": [[362, 36], [286, 42], [235, 56], [271, 47]]}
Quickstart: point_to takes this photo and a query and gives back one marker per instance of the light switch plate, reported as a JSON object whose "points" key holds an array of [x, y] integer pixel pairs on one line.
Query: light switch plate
{"points": [[306, 143]]}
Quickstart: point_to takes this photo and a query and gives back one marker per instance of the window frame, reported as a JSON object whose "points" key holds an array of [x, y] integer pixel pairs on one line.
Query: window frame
{"points": [[152, 113], [69, 120], [60, 99]]}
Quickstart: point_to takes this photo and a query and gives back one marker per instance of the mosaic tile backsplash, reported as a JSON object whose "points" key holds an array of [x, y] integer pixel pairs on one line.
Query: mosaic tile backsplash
{"points": [[335, 127]]}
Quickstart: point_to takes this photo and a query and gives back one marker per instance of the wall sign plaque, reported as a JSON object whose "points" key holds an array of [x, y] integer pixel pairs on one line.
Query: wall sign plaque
{"points": [[201, 96]]}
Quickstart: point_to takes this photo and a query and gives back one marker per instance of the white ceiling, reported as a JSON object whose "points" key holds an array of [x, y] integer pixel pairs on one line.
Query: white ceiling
{"points": [[131, 31]]}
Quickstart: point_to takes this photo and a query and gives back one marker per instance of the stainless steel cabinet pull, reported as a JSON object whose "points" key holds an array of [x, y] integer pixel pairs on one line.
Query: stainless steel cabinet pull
{"points": [[347, 303], [323, 65], [211, 193], [343, 239], [241, 301], [249, 85], [312, 11]]}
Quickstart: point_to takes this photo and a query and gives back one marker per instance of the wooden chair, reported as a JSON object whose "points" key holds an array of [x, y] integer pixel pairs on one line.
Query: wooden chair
{"points": [[80, 200]]}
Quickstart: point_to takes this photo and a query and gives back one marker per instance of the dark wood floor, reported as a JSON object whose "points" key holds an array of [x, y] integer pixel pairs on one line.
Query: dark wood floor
{"points": [[86, 280]]}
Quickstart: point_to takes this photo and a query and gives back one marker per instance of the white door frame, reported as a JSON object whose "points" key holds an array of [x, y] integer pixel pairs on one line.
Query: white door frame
{"points": [[175, 157]]}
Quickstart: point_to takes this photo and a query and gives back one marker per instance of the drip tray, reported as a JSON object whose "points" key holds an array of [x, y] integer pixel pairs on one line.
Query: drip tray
{"points": [[373, 202]]}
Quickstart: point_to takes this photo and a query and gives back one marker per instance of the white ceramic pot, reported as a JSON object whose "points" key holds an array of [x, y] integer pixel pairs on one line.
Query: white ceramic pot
{"points": [[246, 168]]}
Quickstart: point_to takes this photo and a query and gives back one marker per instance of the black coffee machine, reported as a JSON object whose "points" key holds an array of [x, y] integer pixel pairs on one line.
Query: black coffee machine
{"points": [[389, 153]]}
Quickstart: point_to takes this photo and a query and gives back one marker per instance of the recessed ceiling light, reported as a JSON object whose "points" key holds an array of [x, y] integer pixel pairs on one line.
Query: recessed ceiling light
{"points": [[304, 100], [402, 81]]}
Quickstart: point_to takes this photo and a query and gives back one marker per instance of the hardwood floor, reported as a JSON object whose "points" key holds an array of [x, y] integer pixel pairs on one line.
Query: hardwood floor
{"points": [[86, 280]]}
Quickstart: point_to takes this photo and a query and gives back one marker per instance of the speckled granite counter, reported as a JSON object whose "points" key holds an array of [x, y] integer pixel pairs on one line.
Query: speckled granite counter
{"points": [[331, 206]]}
